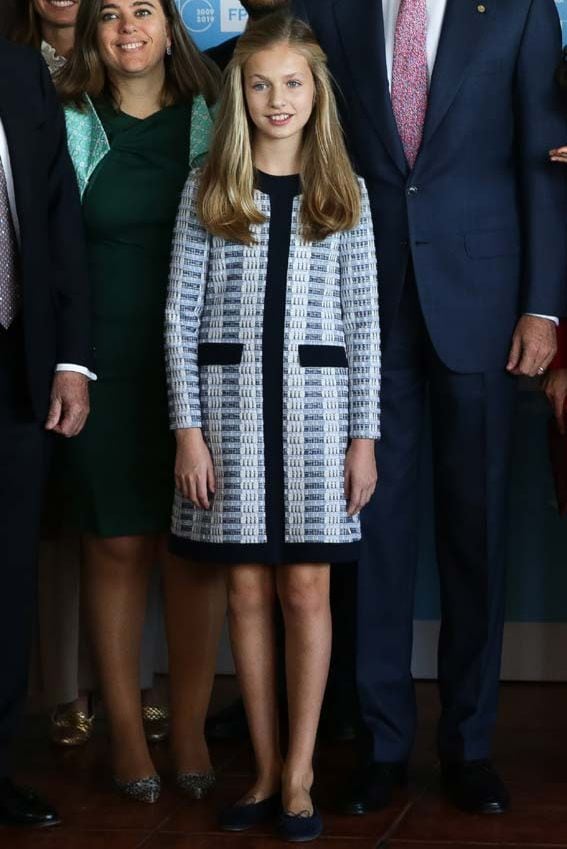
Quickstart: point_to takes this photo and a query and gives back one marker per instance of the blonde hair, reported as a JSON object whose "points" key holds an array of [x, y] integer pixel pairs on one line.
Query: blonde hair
{"points": [[331, 194]]}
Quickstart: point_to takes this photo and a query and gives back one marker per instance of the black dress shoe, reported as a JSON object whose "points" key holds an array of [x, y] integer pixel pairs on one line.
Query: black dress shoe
{"points": [[230, 723], [244, 816], [299, 828], [21, 806], [373, 787], [475, 787]]}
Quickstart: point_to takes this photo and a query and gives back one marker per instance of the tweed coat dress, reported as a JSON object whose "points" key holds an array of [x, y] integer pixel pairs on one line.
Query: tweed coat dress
{"points": [[217, 378]]}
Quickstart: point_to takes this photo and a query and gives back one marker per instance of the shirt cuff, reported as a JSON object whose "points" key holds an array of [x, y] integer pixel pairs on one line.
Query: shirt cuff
{"points": [[78, 369], [552, 318]]}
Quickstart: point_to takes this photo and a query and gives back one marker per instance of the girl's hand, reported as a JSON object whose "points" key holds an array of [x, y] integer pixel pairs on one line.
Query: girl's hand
{"points": [[194, 472], [558, 154], [555, 387], [361, 475]]}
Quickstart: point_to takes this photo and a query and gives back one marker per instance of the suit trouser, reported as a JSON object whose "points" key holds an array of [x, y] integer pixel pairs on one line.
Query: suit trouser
{"points": [[23, 459], [471, 418]]}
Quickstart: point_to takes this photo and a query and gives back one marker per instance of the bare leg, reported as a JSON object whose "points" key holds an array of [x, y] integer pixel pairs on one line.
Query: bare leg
{"points": [[251, 600], [195, 606], [115, 584], [304, 595]]}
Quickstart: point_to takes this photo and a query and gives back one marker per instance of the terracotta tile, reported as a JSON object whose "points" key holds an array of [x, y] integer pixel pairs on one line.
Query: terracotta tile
{"points": [[530, 753], [202, 817], [462, 844], [246, 841], [61, 838], [535, 817]]}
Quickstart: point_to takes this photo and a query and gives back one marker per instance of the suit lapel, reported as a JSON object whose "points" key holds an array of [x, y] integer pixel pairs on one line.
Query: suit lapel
{"points": [[361, 32], [463, 29], [16, 135]]}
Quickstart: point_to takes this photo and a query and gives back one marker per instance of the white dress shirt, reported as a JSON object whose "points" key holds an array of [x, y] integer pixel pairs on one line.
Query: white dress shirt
{"points": [[435, 16], [7, 165]]}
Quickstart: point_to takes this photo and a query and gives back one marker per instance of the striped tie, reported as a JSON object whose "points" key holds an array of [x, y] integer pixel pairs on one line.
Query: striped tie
{"points": [[410, 75], [10, 293]]}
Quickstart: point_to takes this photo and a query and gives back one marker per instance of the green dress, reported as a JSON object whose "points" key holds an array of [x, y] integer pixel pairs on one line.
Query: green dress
{"points": [[119, 471]]}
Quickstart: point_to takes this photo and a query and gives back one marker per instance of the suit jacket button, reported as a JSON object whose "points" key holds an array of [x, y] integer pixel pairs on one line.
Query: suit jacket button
{"points": [[412, 191]]}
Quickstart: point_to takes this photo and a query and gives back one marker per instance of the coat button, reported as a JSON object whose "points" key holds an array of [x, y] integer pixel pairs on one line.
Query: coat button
{"points": [[412, 191]]}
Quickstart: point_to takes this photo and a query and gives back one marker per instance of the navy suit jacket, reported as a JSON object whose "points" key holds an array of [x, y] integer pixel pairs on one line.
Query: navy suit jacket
{"points": [[483, 213], [56, 304]]}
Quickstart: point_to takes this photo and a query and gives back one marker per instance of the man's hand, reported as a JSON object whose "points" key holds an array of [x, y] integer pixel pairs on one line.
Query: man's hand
{"points": [[534, 345], [555, 387], [69, 406]]}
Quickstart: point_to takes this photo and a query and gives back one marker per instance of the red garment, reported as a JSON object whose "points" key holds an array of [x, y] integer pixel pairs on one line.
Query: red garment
{"points": [[560, 359]]}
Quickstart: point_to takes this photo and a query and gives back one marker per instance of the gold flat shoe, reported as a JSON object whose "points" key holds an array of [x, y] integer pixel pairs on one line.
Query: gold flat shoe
{"points": [[70, 727], [156, 723]]}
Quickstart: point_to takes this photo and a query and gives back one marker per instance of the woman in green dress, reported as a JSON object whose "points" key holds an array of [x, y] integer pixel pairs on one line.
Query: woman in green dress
{"points": [[137, 94]]}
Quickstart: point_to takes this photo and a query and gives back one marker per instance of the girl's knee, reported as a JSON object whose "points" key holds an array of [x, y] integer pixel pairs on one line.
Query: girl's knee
{"points": [[304, 591]]}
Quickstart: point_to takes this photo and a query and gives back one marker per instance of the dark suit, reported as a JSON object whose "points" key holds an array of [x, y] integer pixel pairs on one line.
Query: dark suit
{"points": [[468, 241], [51, 328], [222, 53]]}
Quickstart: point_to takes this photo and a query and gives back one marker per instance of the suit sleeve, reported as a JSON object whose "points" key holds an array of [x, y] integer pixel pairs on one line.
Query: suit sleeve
{"points": [[66, 239], [542, 125], [359, 296], [185, 299], [560, 359]]}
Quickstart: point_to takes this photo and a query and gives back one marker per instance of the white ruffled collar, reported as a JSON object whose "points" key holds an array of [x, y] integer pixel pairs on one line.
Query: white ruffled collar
{"points": [[52, 59]]}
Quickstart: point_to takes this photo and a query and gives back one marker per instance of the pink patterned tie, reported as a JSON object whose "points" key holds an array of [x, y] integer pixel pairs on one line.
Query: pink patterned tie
{"points": [[10, 294], [409, 75]]}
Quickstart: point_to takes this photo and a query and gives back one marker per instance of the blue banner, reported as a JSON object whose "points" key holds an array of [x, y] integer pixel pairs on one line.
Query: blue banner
{"points": [[212, 21]]}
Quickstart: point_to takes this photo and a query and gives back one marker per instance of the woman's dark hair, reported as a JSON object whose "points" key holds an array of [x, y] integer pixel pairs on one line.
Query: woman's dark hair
{"points": [[20, 22], [187, 71]]}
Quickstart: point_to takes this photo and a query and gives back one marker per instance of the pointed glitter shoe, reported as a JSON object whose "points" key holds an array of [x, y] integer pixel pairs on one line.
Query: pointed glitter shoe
{"points": [[196, 785], [156, 723], [141, 789]]}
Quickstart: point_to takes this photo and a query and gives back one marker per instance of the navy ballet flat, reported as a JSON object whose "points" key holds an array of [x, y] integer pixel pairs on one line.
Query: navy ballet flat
{"points": [[299, 828], [244, 816]]}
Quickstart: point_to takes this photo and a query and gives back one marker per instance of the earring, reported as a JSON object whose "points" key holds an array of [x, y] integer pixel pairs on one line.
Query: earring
{"points": [[168, 50]]}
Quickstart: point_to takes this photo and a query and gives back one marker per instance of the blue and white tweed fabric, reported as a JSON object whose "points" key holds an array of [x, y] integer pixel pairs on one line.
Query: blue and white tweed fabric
{"points": [[216, 297]]}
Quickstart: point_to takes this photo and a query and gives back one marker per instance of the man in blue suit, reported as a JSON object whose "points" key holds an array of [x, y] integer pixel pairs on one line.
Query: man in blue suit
{"points": [[450, 110]]}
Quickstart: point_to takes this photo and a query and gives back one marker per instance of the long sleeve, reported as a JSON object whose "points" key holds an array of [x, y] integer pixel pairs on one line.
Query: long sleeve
{"points": [[71, 293], [542, 125], [186, 294], [359, 294], [560, 359]]}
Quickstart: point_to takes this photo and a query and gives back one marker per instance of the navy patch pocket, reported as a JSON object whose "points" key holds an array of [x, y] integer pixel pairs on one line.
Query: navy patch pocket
{"points": [[322, 356], [220, 353]]}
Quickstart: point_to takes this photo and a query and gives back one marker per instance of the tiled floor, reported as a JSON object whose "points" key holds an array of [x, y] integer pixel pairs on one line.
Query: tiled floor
{"points": [[531, 752]]}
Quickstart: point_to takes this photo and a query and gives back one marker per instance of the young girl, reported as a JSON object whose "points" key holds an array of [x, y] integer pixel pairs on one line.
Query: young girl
{"points": [[273, 357]]}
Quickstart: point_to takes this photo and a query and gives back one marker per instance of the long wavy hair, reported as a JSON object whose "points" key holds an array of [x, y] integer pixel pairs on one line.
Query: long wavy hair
{"points": [[331, 194], [187, 71]]}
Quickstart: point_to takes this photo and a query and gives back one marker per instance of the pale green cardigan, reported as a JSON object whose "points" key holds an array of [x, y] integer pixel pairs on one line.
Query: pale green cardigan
{"points": [[88, 143]]}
